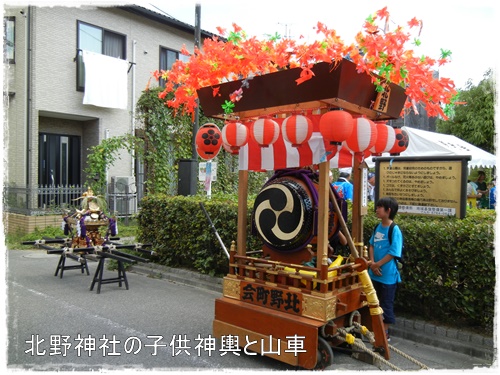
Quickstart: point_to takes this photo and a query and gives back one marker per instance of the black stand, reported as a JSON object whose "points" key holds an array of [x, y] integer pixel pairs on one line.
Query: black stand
{"points": [[122, 277], [62, 266]]}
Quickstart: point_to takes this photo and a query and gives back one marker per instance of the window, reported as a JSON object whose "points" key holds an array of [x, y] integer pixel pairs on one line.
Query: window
{"points": [[96, 39], [167, 59], [59, 159], [9, 41]]}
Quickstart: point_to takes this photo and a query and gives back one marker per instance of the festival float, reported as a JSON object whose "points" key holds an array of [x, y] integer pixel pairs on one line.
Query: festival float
{"points": [[300, 110], [91, 234]]}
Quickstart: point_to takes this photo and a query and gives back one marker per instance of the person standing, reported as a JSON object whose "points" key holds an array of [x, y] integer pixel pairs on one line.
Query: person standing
{"points": [[493, 194], [343, 186], [483, 189], [371, 186], [383, 252], [472, 194]]}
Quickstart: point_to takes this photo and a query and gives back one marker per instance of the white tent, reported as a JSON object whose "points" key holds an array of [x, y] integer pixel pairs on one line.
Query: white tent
{"points": [[425, 143]]}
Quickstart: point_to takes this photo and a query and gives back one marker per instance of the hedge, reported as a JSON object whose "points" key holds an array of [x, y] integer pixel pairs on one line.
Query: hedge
{"points": [[449, 264]]}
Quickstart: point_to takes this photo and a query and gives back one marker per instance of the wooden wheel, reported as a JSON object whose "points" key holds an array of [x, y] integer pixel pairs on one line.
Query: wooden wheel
{"points": [[324, 354]]}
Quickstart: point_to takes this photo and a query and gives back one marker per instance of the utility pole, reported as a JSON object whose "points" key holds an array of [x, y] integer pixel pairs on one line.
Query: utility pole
{"points": [[188, 168], [197, 37]]}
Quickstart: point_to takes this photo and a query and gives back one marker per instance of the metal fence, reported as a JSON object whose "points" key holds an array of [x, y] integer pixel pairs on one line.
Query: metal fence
{"points": [[52, 199]]}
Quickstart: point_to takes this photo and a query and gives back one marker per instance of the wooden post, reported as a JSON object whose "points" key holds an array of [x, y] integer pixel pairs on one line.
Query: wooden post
{"points": [[357, 217], [242, 212], [323, 214]]}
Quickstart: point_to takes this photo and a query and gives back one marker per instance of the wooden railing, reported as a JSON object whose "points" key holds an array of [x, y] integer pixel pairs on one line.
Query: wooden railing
{"points": [[288, 275]]}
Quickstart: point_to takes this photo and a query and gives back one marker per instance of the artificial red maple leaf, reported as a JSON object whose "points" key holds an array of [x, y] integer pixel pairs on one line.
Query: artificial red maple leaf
{"points": [[383, 13]]}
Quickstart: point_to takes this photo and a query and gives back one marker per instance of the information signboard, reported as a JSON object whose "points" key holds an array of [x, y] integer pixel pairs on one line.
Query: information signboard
{"points": [[433, 186]]}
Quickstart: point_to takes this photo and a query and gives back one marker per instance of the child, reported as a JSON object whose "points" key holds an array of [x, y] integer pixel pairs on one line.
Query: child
{"points": [[383, 268]]}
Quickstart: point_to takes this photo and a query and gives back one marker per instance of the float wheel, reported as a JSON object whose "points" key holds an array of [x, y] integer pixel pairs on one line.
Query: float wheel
{"points": [[324, 354]]}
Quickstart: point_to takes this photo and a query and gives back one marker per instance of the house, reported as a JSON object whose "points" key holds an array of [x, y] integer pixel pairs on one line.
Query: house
{"points": [[72, 77]]}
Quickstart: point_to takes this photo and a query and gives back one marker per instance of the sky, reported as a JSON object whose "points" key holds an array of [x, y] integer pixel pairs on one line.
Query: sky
{"points": [[467, 28]]}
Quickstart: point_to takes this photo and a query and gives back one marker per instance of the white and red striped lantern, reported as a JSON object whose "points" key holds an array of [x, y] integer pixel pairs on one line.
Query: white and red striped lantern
{"points": [[363, 136], [336, 126], [401, 142], [265, 131], [229, 149], [297, 129], [235, 135], [385, 139]]}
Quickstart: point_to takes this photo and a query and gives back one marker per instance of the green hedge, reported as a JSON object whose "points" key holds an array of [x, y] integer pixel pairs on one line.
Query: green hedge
{"points": [[183, 237], [449, 264], [449, 268]]}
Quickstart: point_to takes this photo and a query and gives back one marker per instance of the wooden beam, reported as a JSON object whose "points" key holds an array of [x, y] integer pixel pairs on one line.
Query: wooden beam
{"points": [[323, 215], [241, 240]]}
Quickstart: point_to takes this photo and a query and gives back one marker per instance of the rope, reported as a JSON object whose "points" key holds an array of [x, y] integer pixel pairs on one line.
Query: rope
{"points": [[350, 339], [411, 359]]}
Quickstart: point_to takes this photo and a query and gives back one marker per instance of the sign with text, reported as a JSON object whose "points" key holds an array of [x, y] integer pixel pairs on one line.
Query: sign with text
{"points": [[433, 186], [277, 299]]}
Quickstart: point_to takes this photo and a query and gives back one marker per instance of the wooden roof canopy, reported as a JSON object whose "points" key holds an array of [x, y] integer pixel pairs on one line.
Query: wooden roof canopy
{"points": [[333, 85]]}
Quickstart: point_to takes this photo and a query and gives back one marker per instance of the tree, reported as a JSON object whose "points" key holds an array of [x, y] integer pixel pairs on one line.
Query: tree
{"points": [[167, 138], [103, 155], [473, 119]]}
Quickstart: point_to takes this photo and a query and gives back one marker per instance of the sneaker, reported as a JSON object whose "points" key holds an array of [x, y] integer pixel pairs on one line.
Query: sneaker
{"points": [[387, 335]]}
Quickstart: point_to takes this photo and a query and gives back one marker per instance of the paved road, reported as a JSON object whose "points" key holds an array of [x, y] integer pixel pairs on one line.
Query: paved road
{"points": [[60, 325]]}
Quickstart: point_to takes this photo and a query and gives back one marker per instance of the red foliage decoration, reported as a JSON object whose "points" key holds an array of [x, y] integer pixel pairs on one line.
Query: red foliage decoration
{"points": [[376, 51]]}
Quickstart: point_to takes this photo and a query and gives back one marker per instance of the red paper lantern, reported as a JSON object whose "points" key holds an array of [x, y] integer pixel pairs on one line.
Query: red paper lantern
{"points": [[385, 139], [265, 131], [235, 135], [401, 143], [363, 136], [336, 126], [297, 129], [208, 141]]}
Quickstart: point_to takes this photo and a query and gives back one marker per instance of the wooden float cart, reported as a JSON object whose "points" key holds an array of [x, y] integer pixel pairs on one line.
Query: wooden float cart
{"points": [[274, 305]]}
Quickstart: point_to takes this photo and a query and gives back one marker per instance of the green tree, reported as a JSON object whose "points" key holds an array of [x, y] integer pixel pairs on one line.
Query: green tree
{"points": [[473, 119], [103, 155], [167, 137]]}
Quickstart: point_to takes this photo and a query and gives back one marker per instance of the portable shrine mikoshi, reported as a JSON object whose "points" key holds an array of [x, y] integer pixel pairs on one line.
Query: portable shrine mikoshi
{"points": [[291, 312], [86, 241]]}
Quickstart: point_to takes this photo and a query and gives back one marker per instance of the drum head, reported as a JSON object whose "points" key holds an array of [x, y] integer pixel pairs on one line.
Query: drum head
{"points": [[283, 215]]}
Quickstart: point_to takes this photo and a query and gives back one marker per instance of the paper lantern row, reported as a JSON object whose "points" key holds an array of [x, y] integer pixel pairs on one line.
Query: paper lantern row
{"points": [[360, 134]]}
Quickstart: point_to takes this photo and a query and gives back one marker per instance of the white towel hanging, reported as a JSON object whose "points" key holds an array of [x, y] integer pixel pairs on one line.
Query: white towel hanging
{"points": [[105, 80]]}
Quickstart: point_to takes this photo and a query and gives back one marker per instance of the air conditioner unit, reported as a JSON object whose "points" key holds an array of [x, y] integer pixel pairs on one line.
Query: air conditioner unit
{"points": [[122, 196], [123, 185]]}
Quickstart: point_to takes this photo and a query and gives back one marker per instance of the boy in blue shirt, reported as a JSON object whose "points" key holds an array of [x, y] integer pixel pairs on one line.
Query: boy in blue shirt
{"points": [[383, 268], [343, 186]]}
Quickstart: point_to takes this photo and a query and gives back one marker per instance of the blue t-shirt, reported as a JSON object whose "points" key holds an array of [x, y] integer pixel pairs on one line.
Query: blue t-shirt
{"points": [[381, 247], [344, 188], [493, 197]]}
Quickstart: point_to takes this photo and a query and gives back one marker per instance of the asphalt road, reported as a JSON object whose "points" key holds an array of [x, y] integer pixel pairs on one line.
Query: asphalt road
{"points": [[58, 324]]}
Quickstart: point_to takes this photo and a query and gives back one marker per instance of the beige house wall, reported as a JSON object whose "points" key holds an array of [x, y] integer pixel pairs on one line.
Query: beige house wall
{"points": [[47, 92]]}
